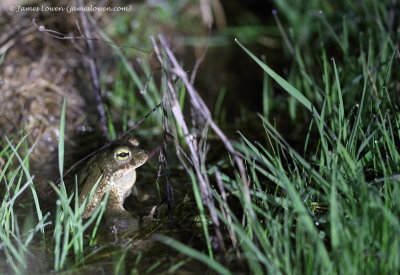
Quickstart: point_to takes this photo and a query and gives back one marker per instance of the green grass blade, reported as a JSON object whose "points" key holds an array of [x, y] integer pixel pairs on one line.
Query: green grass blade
{"points": [[61, 139], [213, 264], [282, 82]]}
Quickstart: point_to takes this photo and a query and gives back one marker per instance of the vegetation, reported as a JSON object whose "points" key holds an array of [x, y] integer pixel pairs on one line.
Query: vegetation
{"points": [[324, 202]]}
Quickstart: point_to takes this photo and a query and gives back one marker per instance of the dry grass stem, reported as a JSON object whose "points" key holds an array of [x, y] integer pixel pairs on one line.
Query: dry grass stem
{"points": [[201, 107], [197, 151]]}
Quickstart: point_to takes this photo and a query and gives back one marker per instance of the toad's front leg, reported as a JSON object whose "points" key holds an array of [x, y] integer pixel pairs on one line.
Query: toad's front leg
{"points": [[118, 219]]}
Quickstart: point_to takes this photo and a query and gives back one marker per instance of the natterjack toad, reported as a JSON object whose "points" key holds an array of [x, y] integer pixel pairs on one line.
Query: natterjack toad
{"points": [[116, 166]]}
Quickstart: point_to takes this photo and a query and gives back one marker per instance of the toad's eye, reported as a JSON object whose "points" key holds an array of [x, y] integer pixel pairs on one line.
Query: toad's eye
{"points": [[122, 154]]}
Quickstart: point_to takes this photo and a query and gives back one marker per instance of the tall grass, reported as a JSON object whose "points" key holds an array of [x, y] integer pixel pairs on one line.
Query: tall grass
{"points": [[326, 202], [333, 207], [15, 242], [69, 227]]}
